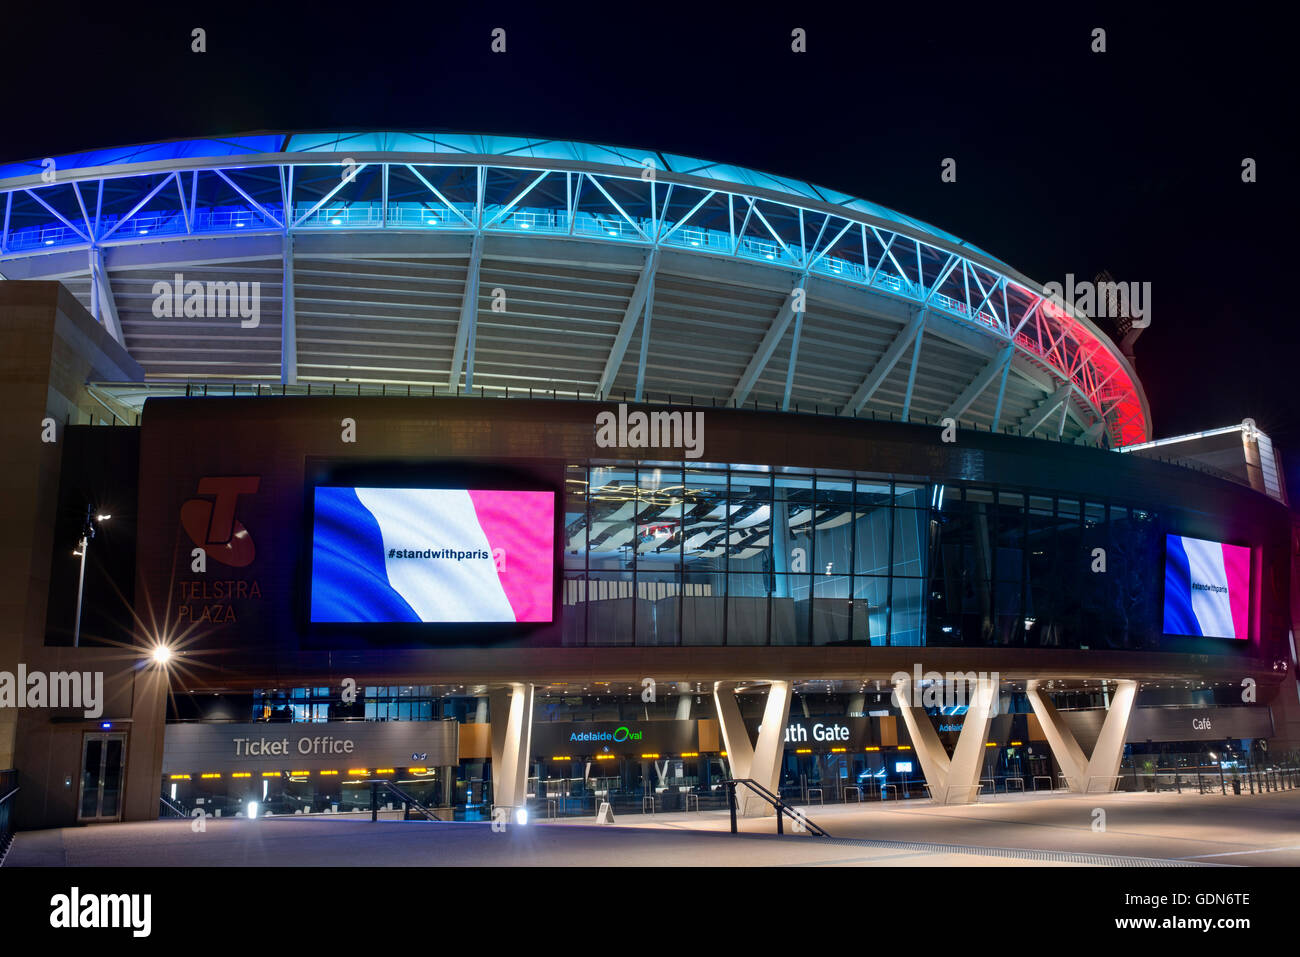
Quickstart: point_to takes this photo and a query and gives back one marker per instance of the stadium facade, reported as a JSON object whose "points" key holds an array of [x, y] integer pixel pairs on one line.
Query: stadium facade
{"points": [[538, 474]]}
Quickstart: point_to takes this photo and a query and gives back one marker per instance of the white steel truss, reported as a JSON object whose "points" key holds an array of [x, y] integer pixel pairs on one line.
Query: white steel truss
{"points": [[356, 187]]}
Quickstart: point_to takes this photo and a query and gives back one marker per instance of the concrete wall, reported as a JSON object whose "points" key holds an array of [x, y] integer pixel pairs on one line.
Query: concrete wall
{"points": [[50, 347]]}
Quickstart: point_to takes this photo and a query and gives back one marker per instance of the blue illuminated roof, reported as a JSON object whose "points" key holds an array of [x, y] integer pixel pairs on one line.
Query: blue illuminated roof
{"points": [[470, 144]]}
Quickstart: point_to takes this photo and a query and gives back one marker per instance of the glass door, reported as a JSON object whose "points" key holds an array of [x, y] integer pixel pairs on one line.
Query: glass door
{"points": [[103, 766]]}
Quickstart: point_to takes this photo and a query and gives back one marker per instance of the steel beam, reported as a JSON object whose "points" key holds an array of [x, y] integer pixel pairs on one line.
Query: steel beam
{"points": [[771, 339], [911, 373], [288, 323], [1091, 433], [630, 315], [1044, 409], [465, 328], [886, 363], [103, 293], [997, 365], [794, 358]]}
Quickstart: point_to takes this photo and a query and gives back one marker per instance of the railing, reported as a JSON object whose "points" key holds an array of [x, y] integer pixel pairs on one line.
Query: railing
{"points": [[8, 788], [782, 809], [167, 809], [408, 802]]}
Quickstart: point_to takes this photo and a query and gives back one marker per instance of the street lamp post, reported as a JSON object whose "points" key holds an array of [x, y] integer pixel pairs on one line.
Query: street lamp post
{"points": [[87, 533]]}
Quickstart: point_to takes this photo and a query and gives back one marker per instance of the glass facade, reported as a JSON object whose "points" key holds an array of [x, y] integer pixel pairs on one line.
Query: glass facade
{"points": [[666, 554]]}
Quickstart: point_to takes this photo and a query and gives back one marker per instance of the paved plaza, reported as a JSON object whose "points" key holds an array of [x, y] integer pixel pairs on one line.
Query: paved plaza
{"points": [[1034, 830]]}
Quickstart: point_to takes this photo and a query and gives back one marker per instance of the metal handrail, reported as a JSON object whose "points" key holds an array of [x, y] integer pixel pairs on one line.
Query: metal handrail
{"points": [[781, 807], [406, 799], [6, 811]]}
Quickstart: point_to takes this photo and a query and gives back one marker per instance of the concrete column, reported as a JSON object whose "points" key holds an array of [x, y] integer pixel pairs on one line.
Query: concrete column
{"points": [[968, 757], [735, 739], [952, 780], [1082, 773], [683, 700], [925, 740], [144, 755], [512, 734], [760, 762]]}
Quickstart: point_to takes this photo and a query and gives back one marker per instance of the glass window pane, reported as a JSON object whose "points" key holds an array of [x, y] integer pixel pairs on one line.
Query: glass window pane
{"points": [[867, 492], [832, 609], [574, 616], [911, 495], [610, 608], [612, 504], [747, 601], [575, 516], [659, 518], [870, 610], [871, 540], [704, 519], [832, 531], [658, 608], [911, 529], [907, 612], [835, 490], [703, 602], [790, 609]]}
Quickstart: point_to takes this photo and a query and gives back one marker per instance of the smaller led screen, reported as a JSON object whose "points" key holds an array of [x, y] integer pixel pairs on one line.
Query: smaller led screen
{"points": [[1207, 588]]}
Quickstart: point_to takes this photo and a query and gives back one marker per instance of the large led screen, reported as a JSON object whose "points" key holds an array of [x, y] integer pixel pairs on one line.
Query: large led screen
{"points": [[1207, 588], [388, 555]]}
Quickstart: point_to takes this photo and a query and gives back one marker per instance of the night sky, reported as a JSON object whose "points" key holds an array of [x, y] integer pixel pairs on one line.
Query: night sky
{"points": [[1068, 161]]}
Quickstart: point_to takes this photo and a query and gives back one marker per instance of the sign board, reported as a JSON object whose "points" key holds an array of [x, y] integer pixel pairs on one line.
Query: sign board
{"points": [[309, 746]]}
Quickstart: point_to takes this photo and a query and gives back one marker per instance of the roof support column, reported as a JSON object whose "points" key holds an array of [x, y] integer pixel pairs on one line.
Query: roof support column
{"points": [[103, 307], [911, 373], [762, 761], [288, 324], [463, 351], [794, 357], [770, 340], [512, 739], [999, 363], [1002, 391], [886, 363], [624, 335], [952, 780], [1083, 774], [645, 335]]}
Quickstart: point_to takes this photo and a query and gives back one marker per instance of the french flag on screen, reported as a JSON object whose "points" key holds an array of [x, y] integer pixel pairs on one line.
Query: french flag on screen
{"points": [[1207, 588], [432, 555]]}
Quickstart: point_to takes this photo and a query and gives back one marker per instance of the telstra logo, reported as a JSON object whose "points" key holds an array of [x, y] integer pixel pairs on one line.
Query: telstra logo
{"points": [[212, 524]]}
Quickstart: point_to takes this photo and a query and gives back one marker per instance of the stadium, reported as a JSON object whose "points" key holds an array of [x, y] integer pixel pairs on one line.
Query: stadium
{"points": [[470, 473]]}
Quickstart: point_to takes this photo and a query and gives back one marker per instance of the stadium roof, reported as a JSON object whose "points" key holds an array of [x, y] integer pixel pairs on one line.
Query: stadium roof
{"points": [[480, 263]]}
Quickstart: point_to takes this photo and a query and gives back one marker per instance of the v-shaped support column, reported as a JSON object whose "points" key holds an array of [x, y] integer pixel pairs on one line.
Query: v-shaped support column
{"points": [[760, 762], [512, 734], [1082, 773], [952, 780]]}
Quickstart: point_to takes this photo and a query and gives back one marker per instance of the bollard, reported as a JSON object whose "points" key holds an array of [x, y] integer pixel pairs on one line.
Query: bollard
{"points": [[731, 802]]}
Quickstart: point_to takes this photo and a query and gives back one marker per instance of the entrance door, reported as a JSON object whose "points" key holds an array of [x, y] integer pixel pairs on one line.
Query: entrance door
{"points": [[103, 769]]}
